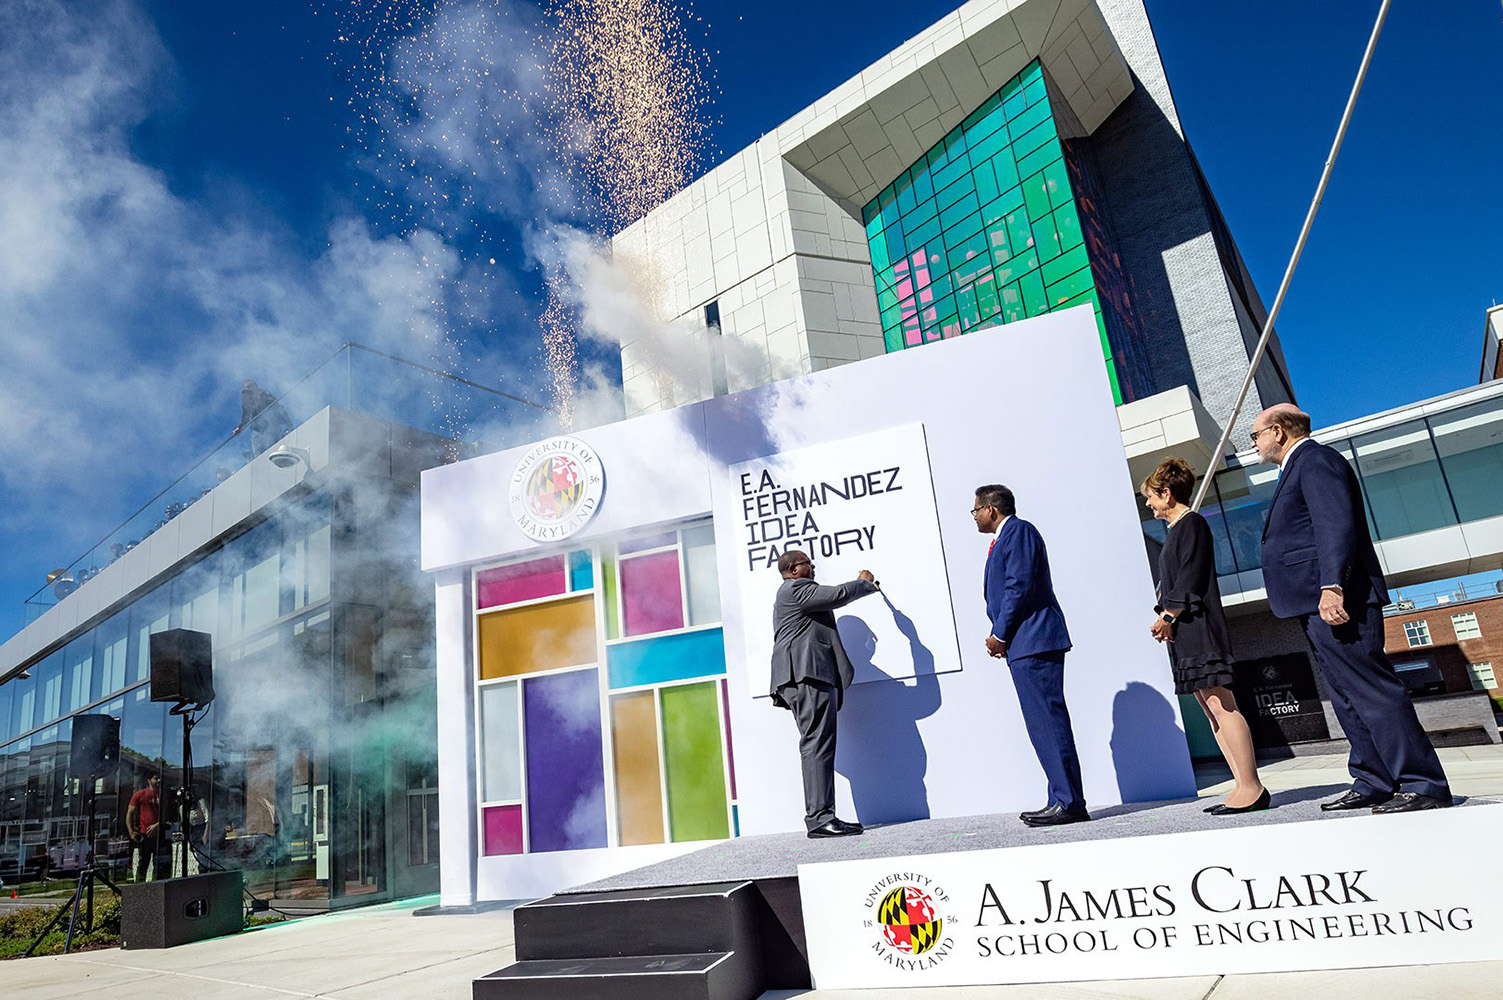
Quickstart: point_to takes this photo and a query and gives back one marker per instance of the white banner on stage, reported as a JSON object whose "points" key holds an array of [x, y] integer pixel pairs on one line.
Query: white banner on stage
{"points": [[1349, 892], [863, 502]]}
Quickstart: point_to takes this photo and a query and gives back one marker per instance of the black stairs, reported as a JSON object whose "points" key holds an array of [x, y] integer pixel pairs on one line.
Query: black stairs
{"points": [[695, 942]]}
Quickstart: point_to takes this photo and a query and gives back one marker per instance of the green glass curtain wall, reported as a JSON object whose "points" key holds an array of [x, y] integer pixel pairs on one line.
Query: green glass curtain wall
{"points": [[983, 229]]}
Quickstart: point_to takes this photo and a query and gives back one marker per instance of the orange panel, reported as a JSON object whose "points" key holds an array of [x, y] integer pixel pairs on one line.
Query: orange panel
{"points": [[634, 738], [538, 637]]}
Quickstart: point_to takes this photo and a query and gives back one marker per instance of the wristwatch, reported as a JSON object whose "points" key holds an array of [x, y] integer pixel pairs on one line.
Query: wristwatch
{"points": [[1166, 616]]}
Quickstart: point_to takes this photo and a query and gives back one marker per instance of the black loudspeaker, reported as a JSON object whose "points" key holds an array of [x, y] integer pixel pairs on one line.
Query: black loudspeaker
{"points": [[96, 745], [174, 911], [182, 668]]}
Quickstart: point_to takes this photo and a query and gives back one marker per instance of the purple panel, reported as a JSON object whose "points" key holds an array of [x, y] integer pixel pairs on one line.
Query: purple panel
{"points": [[503, 830], [652, 596], [648, 542], [522, 582], [565, 762], [730, 746]]}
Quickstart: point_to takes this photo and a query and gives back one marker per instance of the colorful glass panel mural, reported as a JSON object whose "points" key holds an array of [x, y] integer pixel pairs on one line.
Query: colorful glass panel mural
{"points": [[693, 763], [520, 582], [639, 794], [652, 597], [538, 637], [667, 658], [565, 762], [982, 229]]}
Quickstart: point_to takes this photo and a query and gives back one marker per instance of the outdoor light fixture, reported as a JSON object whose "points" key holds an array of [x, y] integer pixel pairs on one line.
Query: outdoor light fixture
{"points": [[287, 457]]}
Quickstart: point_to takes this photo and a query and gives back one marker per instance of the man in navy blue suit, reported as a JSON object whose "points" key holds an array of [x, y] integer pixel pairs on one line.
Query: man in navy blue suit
{"points": [[1319, 566], [1028, 628]]}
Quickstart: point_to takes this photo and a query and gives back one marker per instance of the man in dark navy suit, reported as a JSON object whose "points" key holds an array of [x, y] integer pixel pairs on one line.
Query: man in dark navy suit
{"points": [[1319, 566], [1028, 628]]}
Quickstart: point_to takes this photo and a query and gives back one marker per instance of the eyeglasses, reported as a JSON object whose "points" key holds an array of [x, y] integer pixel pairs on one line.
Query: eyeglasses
{"points": [[806, 562], [977, 510], [1254, 434]]}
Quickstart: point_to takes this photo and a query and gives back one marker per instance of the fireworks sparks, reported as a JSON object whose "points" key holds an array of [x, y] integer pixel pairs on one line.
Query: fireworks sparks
{"points": [[489, 121], [630, 92]]}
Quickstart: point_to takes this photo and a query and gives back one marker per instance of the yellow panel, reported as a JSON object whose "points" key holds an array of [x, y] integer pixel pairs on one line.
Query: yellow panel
{"points": [[538, 637], [634, 738]]}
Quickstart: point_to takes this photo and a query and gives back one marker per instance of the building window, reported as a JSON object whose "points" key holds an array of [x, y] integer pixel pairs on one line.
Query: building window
{"points": [[983, 229], [1417, 632], [1482, 676], [1465, 625]]}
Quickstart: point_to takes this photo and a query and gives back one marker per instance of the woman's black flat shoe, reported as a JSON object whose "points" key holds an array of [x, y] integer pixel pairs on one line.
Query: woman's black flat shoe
{"points": [[1258, 805]]}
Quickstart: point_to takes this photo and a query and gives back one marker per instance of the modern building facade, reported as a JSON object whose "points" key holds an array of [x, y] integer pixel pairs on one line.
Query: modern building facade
{"points": [[315, 767], [1432, 478], [1019, 156]]}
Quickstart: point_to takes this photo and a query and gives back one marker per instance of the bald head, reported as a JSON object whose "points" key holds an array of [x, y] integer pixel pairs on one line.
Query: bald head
{"points": [[1277, 429]]}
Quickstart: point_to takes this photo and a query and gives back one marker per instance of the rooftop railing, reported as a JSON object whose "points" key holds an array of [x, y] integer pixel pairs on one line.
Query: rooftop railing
{"points": [[355, 377]]}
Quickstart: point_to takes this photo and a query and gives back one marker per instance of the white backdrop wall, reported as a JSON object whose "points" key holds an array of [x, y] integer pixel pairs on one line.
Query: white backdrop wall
{"points": [[932, 728]]}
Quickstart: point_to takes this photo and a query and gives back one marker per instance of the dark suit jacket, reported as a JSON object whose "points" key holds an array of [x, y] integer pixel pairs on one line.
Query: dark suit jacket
{"points": [[805, 644], [1317, 535], [1019, 592]]}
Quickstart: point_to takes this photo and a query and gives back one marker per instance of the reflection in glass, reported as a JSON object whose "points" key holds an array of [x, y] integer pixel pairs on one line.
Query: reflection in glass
{"points": [[1403, 482], [1245, 493], [1470, 441]]}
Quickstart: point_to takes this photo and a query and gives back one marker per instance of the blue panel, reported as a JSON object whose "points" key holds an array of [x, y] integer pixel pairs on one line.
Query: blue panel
{"points": [[666, 658], [581, 571]]}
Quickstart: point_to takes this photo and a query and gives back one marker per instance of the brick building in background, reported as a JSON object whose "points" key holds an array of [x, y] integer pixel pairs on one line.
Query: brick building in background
{"points": [[1449, 647]]}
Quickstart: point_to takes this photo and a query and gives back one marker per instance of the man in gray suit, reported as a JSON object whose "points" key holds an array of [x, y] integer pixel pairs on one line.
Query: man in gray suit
{"points": [[810, 672]]}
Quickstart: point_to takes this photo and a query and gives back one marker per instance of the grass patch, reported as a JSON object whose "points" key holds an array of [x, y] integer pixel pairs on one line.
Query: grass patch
{"points": [[20, 927]]}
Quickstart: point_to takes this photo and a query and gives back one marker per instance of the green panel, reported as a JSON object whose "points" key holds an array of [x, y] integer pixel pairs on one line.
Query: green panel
{"points": [[1064, 265], [1068, 287], [1034, 300], [1067, 224], [693, 762], [1040, 158], [612, 619]]}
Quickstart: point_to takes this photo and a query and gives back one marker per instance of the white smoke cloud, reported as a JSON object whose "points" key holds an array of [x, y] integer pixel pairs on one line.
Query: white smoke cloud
{"points": [[129, 313]]}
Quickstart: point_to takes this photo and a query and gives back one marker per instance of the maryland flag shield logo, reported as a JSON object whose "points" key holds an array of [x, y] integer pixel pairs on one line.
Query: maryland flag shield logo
{"points": [[554, 488], [908, 920]]}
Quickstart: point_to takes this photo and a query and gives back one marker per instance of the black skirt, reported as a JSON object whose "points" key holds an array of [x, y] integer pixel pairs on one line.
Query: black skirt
{"points": [[1201, 648]]}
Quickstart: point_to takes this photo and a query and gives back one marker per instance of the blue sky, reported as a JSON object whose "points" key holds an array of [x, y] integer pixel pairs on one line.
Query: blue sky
{"points": [[186, 199]]}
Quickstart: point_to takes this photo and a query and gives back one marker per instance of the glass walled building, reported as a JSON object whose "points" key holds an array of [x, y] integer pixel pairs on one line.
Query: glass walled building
{"points": [[1015, 158], [314, 768]]}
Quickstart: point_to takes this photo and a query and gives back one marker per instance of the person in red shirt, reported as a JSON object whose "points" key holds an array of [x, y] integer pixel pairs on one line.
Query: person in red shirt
{"points": [[143, 821]]}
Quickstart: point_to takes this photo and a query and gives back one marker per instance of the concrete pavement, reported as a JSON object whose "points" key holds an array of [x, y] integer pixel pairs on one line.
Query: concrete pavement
{"points": [[385, 952]]}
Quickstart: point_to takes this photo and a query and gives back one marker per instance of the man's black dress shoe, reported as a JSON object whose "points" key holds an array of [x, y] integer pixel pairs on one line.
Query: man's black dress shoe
{"points": [[1055, 816], [1408, 802], [835, 828], [1257, 805], [1353, 800]]}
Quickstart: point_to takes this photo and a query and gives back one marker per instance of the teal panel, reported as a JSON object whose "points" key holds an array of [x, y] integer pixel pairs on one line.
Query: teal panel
{"points": [[581, 571], [666, 658]]}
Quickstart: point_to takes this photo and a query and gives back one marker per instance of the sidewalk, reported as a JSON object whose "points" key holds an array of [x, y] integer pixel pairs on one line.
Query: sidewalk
{"points": [[383, 951]]}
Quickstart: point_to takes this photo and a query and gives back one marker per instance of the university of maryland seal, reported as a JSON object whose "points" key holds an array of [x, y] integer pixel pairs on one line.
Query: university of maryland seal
{"points": [[556, 488], [909, 921]]}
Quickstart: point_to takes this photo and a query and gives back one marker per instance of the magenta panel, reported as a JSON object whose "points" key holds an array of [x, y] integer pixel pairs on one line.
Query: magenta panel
{"points": [[522, 582], [730, 745], [503, 830], [652, 596]]}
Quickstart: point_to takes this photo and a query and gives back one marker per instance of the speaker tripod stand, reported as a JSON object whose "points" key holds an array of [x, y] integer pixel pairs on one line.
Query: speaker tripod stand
{"points": [[83, 892]]}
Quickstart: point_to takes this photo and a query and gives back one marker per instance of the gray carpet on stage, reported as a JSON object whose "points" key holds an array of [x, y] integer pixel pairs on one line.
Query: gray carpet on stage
{"points": [[779, 855]]}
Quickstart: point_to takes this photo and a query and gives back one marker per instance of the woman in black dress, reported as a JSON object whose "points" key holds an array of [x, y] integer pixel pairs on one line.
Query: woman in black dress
{"points": [[1191, 620]]}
